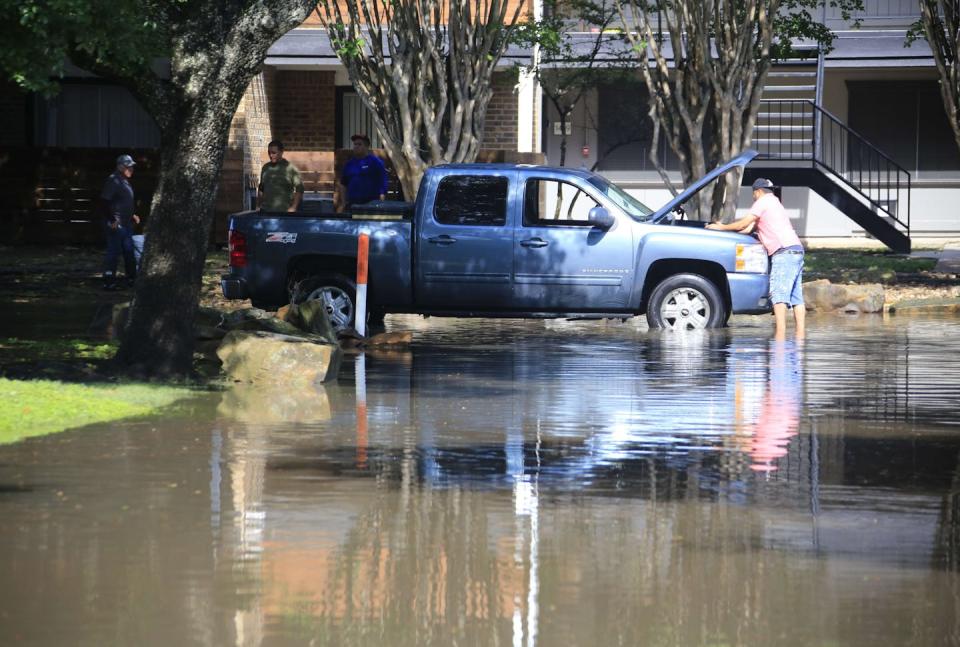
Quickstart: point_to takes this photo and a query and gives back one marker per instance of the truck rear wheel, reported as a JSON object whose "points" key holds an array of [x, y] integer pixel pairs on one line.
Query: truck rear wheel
{"points": [[337, 293], [686, 302]]}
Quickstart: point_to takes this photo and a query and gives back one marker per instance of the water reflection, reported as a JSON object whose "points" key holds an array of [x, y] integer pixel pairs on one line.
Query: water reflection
{"points": [[514, 483], [778, 419]]}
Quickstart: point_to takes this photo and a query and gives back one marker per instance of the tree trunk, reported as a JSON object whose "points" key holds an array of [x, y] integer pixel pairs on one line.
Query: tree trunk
{"points": [[941, 24], [409, 170], [424, 70], [711, 82], [158, 339]]}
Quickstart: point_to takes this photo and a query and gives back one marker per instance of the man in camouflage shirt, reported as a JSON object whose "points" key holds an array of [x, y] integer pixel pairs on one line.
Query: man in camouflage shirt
{"points": [[281, 188]]}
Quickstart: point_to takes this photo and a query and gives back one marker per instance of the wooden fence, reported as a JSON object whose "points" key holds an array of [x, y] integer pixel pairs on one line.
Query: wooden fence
{"points": [[50, 195]]}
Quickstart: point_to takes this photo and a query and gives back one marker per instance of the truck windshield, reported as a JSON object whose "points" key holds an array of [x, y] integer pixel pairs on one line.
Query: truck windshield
{"points": [[633, 207]]}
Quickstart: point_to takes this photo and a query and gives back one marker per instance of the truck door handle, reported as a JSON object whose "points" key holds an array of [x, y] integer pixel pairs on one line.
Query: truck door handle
{"points": [[534, 242], [442, 240]]}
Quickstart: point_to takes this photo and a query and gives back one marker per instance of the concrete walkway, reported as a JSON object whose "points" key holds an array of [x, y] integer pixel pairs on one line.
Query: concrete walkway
{"points": [[949, 262], [920, 244]]}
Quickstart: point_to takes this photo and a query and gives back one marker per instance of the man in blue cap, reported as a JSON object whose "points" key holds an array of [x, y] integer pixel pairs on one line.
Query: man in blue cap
{"points": [[119, 219]]}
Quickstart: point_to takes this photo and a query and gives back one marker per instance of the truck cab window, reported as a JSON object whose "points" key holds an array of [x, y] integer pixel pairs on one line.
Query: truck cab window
{"points": [[471, 200], [550, 202]]}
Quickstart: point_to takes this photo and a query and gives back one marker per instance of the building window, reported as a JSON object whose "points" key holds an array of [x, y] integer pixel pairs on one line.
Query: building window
{"points": [[553, 203], [625, 132], [471, 200], [355, 119], [911, 127], [90, 115]]}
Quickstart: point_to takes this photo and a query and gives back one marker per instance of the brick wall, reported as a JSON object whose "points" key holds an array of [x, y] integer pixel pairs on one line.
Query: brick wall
{"points": [[500, 126], [304, 110], [13, 115], [251, 129]]}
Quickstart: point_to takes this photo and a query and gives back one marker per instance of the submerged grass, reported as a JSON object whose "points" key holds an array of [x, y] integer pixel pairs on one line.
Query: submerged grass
{"points": [[38, 407]]}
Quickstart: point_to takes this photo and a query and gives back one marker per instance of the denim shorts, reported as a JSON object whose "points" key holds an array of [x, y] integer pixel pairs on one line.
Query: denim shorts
{"points": [[786, 278]]}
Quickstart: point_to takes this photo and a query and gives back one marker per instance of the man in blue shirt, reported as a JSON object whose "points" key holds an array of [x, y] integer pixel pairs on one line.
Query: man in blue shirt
{"points": [[119, 219], [364, 178]]}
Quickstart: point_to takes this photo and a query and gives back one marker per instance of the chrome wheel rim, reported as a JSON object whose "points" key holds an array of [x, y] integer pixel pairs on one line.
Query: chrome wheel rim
{"points": [[685, 309], [337, 304]]}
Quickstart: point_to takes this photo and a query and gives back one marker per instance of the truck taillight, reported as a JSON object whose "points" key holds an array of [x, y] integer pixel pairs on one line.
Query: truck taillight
{"points": [[238, 249]]}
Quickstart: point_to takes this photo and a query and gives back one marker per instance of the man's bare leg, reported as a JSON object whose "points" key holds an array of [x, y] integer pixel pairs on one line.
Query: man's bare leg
{"points": [[780, 319], [800, 317]]}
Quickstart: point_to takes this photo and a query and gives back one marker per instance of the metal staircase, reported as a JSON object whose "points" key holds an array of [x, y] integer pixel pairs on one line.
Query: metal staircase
{"points": [[793, 80], [803, 145]]}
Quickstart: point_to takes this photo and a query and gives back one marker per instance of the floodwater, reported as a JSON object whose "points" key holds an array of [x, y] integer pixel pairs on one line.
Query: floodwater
{"points": [[516, 483]]}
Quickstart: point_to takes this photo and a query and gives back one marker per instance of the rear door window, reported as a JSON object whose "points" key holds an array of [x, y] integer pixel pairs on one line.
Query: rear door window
{"points": [[471, 200]]}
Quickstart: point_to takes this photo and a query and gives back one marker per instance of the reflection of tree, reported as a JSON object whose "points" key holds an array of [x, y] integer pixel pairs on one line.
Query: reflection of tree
{"points": [[407, 574], [948, 528]]}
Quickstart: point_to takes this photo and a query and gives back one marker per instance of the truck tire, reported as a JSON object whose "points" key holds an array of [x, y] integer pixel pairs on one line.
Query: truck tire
{"points": [[338, 294], [686, 302]]}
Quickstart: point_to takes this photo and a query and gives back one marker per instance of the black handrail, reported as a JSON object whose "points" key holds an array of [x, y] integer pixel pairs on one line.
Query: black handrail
{"points": [[806, 132]]}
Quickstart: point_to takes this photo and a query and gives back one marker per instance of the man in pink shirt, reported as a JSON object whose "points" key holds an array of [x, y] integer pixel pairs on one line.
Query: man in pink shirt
{"points": [[783, 245]]}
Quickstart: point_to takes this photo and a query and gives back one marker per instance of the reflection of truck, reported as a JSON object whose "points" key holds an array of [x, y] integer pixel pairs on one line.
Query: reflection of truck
{"points": [[506, 240]]}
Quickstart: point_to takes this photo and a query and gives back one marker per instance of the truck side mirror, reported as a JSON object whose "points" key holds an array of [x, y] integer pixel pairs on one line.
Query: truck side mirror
{"points": [[600, 218]]}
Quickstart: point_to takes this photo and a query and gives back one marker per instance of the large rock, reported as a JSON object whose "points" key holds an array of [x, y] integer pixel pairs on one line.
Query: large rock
{"points": [[866, 298], [230, 320], [311, 317], [277, 326], [271, 358], [824, 296], [927, 306]]}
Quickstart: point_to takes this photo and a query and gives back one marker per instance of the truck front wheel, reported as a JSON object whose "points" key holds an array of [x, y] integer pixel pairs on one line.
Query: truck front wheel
{"points": [[686, 302], [336, 292]]}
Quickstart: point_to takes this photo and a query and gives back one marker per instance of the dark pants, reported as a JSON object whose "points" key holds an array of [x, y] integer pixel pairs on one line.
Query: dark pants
{"points": [[119, 241]]}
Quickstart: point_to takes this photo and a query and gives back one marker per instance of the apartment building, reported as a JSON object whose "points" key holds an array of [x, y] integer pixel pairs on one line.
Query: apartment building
{"points": [[866, 117]]}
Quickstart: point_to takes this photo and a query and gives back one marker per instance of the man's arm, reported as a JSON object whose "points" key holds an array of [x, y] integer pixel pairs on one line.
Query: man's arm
{"points": [[297, 190], [106, 204], [340, 191], [743, 225], [260, 190], [383, 179], [297, 199]]}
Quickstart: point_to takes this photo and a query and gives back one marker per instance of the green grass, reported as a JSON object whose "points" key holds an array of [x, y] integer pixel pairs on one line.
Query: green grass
{"points": [[13, 348], [862, 266], [38, 407]]}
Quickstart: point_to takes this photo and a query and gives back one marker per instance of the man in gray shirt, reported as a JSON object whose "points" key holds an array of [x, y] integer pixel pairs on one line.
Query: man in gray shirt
{"points": [[119, 219]]}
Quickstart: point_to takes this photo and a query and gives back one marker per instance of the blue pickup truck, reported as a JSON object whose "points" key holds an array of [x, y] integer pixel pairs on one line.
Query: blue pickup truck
{"points": [[500, 240]]}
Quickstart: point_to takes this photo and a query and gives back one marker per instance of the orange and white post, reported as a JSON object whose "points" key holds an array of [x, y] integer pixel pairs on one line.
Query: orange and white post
{"points": [[363, 258]]}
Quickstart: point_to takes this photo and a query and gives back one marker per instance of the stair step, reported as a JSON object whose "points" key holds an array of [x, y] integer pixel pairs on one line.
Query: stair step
{"points": [[789, 88], [791, 75], [767, 155], [795, 116], [792, 141], [808, 128]]}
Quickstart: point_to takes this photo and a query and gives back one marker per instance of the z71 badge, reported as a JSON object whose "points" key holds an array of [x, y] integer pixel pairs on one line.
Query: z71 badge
{"points": [[281, 237]]}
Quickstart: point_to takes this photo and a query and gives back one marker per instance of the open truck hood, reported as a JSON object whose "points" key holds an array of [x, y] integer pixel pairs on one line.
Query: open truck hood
{"points": [[742, 159]]}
